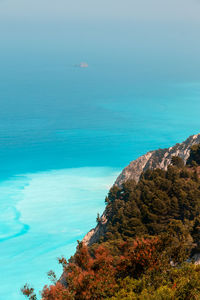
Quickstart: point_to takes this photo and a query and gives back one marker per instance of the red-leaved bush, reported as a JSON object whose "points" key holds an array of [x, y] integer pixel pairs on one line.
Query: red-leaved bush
{"points": [[95, 275]]}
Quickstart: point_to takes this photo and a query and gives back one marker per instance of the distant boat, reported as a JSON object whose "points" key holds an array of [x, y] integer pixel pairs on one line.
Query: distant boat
{"points": [[83, 65]]}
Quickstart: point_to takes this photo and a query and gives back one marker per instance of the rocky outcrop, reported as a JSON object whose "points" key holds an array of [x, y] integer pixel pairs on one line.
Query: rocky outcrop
{"points": [[160, 158], [94, 234]]}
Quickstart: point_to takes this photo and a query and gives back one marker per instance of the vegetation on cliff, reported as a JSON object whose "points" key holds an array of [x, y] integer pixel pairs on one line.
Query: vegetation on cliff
{"points": [[159, 198], [152, 228]]}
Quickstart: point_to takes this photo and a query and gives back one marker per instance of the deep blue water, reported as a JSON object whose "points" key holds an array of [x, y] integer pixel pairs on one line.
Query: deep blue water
{"points": [[66, 132]]}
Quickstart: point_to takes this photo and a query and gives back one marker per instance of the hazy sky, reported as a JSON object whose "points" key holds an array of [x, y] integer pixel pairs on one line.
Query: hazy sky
{"points": [[165, 10], [145, 34]]}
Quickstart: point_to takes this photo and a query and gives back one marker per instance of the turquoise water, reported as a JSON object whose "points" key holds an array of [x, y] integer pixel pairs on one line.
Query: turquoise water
{"points": [[42, 216], [66, 132]]}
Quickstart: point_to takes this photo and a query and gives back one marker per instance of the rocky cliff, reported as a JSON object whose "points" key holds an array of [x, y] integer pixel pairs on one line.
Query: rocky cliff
{"points": [[160, 158]]}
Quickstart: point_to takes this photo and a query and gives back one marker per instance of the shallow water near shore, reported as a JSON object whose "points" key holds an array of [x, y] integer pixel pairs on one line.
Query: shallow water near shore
{"points": [[45, 214]]}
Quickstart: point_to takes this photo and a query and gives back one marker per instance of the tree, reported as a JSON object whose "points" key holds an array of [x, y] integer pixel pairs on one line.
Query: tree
{"points": [[194, 157], [177, 161], [98, 219]]}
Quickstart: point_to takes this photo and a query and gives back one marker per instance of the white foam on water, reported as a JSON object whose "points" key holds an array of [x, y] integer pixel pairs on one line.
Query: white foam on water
{"points": [[42, 215]]}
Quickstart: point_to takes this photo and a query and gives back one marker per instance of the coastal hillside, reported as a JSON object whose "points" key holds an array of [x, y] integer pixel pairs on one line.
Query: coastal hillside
{"points": [[160, 158], [152, 228], [150, 241]]}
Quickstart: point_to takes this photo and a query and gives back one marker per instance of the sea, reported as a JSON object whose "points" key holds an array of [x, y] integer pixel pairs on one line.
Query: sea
{"points": [[79, 100]]}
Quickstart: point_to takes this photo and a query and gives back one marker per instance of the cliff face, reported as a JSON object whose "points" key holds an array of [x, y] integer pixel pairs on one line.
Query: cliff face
{"points": [[160, 158]]}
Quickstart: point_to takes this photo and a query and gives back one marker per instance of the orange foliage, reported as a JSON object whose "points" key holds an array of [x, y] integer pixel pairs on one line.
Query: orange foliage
{"points": [[139, 256], [56, 292], [95, 276], [91, 277]]}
